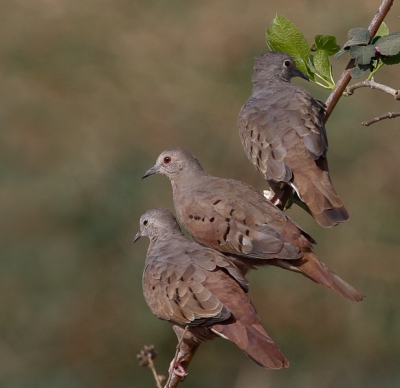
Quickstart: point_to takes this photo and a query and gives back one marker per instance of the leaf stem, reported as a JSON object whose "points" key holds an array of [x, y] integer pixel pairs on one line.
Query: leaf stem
{"points": [[328, 85]]}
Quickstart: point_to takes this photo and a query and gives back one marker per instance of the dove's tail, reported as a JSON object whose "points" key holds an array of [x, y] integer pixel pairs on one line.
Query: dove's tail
{"points": [[314, 187], [255, 342], [311, 267]]}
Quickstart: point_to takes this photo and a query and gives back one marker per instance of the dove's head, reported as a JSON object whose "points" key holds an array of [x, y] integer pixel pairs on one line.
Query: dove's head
{"points": [[276, 66], [157, 222], [173, 163]]}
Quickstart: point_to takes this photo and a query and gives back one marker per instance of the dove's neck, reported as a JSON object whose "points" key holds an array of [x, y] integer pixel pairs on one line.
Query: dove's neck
{"points": [[153, 243], [188, 179], [188, 182], [163, 238], [262, 80]]}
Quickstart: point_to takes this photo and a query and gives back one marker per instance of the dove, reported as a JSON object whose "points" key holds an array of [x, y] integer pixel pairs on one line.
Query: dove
{"points": [[197, 288], [281, 127], [233, 218]]}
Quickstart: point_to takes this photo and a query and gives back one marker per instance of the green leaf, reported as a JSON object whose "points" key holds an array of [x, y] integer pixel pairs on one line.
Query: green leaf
{"points": [[382, 31], [357, 36], [363, 54], [359, 71], [326, 43], [392, 60], [341, 52], [389, 44], [323, 66], [282, 35]]}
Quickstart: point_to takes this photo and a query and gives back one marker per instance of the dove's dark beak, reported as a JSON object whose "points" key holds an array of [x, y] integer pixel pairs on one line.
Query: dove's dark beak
{"points": [[150, 171], [137, 236], [300, 74]]}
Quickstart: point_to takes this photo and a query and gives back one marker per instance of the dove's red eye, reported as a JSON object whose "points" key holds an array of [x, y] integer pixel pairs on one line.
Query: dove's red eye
{"points": [[287, 63], [167, 160]]}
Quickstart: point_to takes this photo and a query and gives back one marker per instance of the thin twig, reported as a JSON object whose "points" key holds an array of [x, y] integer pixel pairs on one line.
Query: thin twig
{"points": [[167, 385], [345, 78], [374, 85], [157, 377], [384, 88], [146, 357], [388, 115]]}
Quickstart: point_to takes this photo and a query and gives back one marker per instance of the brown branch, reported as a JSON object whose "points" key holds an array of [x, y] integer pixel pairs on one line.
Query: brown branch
{"points": [[173, 379], [374, 85], [388, 115], [345, 78], [384, 88]]}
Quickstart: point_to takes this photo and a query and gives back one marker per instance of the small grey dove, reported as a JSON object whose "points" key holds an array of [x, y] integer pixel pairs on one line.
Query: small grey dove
{"points": [[232, 217], [281, 127], [190, 285]]}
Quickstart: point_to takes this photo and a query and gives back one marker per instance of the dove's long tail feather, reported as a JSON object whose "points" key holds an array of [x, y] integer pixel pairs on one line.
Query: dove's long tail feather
{"points": [[255, 342], [314, 187], [244, 327], [311, 267]]}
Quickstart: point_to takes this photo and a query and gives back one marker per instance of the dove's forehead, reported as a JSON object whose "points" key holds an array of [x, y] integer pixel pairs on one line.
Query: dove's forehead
{"points": [[146, 216], [153, 215], [150, 215], [168, 152], [274, 56], [179, 153]]}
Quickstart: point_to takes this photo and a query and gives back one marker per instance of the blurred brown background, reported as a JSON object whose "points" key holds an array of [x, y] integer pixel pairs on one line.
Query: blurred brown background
{"points": [[91, 92]]}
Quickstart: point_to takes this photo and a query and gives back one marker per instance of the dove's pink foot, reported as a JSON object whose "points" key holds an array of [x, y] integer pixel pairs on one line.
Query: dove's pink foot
{"points": [[177, 368]]}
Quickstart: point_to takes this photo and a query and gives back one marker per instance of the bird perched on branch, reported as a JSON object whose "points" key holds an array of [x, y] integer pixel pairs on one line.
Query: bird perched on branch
{"points": [[194, 286], [232, 217], [281, 127]]}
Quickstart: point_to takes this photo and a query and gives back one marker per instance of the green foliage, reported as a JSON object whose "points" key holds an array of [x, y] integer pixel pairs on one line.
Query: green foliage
{"points": [[324, 46], [360, 70], [326, 43], [284, 36], [388, 45], [363, 54], [323, 67], [378, 63], [369, 54], [357, 36], [382, 31], [392, 60]]}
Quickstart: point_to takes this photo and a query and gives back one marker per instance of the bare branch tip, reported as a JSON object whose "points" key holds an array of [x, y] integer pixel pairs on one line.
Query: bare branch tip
{"points": [[146, 357], [388, 115]]}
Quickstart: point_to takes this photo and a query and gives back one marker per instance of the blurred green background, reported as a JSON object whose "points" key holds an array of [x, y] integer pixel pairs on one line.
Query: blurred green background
{"points": [[91, 92]]}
